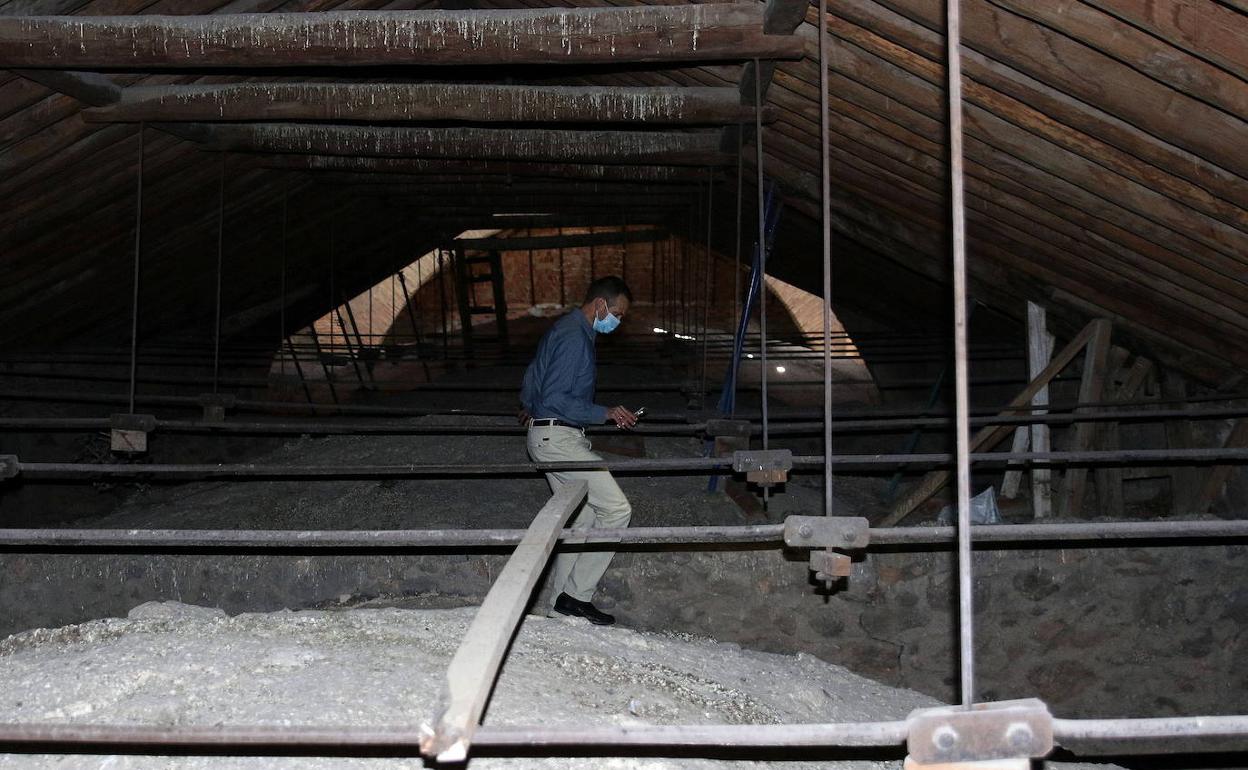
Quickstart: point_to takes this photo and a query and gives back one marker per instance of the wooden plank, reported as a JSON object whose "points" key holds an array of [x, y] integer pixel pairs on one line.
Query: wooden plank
{"points": [[919, 30], [426, 102], [987, 437], [1199, 27], [472, 672], [1093, 77], [1125, 42], [1091, 388], [643, 33], [533, 144], [1218, 475]]}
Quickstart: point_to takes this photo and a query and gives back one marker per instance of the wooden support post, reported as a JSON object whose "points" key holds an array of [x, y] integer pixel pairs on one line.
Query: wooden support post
{"points": [[472, 672], [1109, 479], [1091, 388], [1185, 482], [643, 33], [1039, 353], [1218, 475], [989, 436]]}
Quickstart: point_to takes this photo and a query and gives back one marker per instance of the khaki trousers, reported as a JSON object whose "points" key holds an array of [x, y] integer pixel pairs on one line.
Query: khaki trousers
{"points": [[577, 574]]}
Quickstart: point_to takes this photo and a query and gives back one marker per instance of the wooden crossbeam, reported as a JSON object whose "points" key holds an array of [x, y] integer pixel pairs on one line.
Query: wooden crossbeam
{"points": [[498, 168], [471, 674], [642, 33], [780, 17], [693, 149], [425, 102]]}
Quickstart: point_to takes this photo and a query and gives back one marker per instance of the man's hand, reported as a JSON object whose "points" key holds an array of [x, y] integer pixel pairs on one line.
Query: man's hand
{"points": [[524, 416], [621, 417]]}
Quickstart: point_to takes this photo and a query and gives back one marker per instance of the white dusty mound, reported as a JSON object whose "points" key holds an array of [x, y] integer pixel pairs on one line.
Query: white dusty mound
{"points": [[173, 664]]}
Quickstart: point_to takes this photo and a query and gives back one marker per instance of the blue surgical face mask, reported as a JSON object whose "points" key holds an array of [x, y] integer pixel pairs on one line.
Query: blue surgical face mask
{"points": [[608, 324]]}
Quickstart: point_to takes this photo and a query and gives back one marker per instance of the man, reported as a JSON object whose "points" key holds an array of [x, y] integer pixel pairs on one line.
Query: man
{"points": [[557, 397]]}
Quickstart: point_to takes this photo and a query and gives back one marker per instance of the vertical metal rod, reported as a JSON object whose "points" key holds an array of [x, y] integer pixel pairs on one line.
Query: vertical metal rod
{"points": [[532, 281], [563, 281], [706, 277], [762, 250], [307, 392], [827, 257], [736, 262], [966, 619], [216, 328], [333, 228], [282, 281], [654, 275], [624, 249], [320, 355], [442, 304], [138, 245]]}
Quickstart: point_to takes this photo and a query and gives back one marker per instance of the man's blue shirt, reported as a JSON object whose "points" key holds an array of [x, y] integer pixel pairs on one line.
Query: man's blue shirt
{"points": [[560, 381]]}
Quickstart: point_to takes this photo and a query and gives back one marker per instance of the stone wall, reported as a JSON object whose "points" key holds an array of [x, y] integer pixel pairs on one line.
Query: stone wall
{"points": [[1095, 632]]}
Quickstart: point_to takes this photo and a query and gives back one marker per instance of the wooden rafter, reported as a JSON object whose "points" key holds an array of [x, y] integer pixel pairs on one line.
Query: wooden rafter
{"points": [[695, 32]]}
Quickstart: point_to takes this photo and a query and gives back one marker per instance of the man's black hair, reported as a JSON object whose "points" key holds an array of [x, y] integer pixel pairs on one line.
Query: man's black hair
{"points": [[609, 287]]}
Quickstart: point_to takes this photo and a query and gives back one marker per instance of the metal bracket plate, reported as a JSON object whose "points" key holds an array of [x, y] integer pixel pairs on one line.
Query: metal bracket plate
{"points": [[764, 467], [845, 532], [215, 404], [986, 731], [129, 432], [9, 467]]}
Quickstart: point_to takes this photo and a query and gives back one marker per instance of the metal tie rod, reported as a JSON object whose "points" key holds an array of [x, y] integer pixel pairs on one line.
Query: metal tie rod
{"points": [[1085, 736], [691, 465], [768, 535]]}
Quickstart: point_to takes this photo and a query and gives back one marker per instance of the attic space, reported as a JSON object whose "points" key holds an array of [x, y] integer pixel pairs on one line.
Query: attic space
{"points": [[512, 384]]}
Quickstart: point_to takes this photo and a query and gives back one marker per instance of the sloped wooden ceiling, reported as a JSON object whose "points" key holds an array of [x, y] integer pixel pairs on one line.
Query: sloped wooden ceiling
{"points": [[1105, 165]]}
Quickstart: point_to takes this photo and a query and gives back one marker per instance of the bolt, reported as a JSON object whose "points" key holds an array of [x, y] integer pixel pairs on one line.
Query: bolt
{"points": [[849, 536], [945, 737], [1019, 735], [806, 530]]}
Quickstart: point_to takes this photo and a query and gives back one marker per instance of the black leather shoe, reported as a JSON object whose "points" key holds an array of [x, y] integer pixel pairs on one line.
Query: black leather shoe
{"points": [[566, 605]]}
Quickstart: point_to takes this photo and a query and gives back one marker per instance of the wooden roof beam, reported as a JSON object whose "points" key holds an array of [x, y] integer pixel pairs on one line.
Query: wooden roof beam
{"points": [[501, 168], [542, 145], [426, 102], [643, 33], [781, 17]]}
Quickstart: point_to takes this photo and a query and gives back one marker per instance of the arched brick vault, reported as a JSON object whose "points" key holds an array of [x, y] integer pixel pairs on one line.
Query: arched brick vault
{"points": [[1105, 176]]}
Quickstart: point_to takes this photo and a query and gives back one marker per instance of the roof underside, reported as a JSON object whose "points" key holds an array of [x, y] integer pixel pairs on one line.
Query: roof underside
{"points": [[1105, 166]]}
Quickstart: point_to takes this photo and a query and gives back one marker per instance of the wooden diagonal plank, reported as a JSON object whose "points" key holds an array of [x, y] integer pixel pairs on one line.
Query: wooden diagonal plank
{"points": [[423, 102], [1218, 475], [987, 437], [643, 33], [534, 144], [472, 672]]}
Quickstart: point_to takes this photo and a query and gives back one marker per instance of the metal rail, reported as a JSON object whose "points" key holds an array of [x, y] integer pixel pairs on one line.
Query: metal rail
{"points": [[1091, 737], [688, 466], [1167, 532]]}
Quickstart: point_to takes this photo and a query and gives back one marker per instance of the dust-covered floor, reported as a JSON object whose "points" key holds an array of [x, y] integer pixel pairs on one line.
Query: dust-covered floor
{"points": [[174, 664]]}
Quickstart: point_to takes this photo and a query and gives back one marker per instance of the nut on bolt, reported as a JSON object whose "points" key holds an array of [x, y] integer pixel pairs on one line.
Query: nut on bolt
{"points": [[944, 737], [1019, 735], [806, 530]]}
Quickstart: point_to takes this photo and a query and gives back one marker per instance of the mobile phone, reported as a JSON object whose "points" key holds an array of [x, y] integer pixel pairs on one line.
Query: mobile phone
{"points": [[638, 412]]}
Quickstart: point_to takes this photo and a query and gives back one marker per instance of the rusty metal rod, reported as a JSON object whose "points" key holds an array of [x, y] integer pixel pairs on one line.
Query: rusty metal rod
{"points": [[1168, 532], [688, 466]]}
